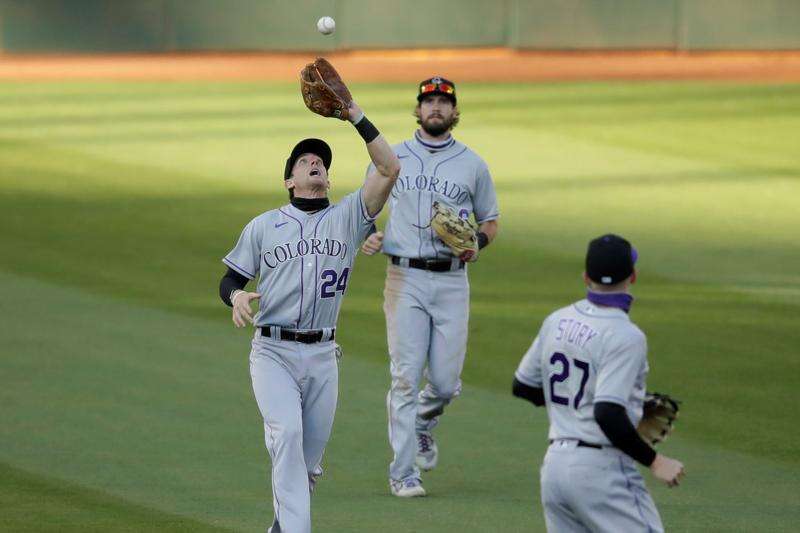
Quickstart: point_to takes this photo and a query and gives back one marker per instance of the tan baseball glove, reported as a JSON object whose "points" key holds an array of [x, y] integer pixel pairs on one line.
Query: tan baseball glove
{"points": [[323, 90], [658, 418], [459, 234]]}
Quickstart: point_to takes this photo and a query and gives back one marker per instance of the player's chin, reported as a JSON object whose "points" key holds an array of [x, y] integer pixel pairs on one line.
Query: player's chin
{"points": [[318, 181]]}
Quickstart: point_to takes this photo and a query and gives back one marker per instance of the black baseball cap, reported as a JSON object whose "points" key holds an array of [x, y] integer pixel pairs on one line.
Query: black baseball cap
{"points": [[309, 146], [437, 85], [610, 259]]}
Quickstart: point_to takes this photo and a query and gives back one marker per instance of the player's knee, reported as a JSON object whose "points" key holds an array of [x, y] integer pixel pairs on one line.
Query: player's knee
{"points": [[446, 389], [448, 393], [404, 387], [290, 435]]}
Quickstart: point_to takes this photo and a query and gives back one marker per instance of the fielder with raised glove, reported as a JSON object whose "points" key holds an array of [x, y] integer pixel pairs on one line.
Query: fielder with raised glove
{"points": [[658, 418], [301, 283]]}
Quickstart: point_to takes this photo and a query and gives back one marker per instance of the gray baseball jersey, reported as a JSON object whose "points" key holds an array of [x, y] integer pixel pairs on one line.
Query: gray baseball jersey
{"points": [[585, 354], [452, 174], [302, 261]]}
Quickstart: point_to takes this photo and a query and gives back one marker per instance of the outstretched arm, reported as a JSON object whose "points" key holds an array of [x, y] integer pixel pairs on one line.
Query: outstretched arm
{"points": [[380, 181]]}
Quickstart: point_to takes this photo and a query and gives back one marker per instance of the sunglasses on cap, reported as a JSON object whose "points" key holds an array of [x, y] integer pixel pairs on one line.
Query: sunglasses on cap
{"points": [[445, 88]]}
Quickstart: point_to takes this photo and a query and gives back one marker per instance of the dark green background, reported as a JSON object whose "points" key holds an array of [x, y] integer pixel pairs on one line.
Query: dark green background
{"points": [[175, 25]]}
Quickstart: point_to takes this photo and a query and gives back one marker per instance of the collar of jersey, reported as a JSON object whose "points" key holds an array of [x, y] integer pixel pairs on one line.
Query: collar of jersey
{"points": [[434, 147], [585, 307], [295, 211]]}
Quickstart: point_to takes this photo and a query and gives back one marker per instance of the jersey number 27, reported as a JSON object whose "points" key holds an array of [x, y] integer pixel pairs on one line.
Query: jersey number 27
{"points": [[563, 375]]}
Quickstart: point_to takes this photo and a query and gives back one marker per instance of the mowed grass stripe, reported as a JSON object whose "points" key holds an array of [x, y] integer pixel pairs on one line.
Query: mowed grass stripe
{"points": [[38, 503]]}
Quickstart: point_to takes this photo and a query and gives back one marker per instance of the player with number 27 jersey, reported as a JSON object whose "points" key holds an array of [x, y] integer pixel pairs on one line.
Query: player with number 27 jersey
{"points": [[585, 354], [302, 261]]}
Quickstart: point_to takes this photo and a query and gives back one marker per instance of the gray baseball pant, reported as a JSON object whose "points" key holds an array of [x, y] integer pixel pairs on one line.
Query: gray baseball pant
{"points": [[426, 325], [296, 388], [590, 490]]}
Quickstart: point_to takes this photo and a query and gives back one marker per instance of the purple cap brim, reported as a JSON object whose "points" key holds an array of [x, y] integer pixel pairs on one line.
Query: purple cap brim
{"points": [[634, 255]]}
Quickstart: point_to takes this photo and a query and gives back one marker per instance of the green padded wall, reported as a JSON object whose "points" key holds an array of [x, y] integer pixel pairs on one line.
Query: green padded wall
{"points": [[593, 24], [227, 25], [741, 24]]}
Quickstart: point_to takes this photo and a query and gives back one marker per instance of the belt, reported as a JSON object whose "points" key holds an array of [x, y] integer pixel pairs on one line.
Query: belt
{"points": [[583, 444], [434, 265], [308, 336]]}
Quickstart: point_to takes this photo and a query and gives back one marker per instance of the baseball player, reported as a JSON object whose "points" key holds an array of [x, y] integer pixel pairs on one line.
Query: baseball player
{"points": [[426, 297], [302, 254], [588, 365]]}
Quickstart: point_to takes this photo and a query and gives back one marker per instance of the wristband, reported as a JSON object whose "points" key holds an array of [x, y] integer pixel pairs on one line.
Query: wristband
{"points": [[367, 130], [356, 120], [483, 240], [234, 292]]}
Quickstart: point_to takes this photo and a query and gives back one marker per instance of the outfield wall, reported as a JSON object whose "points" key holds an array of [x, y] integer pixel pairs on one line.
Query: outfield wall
{"points": [[285, 25]]}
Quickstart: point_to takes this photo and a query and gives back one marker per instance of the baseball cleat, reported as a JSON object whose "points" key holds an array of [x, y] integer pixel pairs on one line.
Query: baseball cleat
{"points": [[410, 487], [427, 452]]}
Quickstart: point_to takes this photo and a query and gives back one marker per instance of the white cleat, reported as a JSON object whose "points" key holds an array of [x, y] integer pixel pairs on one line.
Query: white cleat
{"points": [[427, 452], [410, 487]]}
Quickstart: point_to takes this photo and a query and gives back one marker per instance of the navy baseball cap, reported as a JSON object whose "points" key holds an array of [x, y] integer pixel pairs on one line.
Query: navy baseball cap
{"points": [[309, 146], [437, 85], [610, 259]]}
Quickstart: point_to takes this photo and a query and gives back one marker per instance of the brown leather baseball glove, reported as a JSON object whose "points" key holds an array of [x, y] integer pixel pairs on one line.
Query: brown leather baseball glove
{"points": [[323, 90], [457, 233]]}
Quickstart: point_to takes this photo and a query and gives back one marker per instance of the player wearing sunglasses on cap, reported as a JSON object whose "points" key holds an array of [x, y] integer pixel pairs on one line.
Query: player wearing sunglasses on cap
{"points": [[426, 297]]}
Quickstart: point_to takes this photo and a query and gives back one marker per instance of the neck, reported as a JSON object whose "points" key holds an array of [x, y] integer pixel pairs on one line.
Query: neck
{"points": [[619, 300], [427, 137], [434, 144]]}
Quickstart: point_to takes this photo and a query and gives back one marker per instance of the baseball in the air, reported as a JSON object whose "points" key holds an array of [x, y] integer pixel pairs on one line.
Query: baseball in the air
{"points": [[326, 25]]}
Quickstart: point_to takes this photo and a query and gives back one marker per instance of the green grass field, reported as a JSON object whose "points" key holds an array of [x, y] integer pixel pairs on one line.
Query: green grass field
{"points": [[125, 397]]}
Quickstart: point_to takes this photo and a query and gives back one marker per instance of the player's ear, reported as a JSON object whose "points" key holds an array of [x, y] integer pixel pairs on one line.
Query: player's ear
{"points": [[633, 277], [586, 280]]}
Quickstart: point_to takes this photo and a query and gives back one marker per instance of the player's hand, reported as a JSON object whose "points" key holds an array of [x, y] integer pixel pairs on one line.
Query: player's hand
{"points": [[373, 243], [354, 112], [668, 470], [470, 256], [242, 314]]}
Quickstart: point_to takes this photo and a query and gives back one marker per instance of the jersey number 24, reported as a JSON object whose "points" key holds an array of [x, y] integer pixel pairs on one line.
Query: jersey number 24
{"points": [[563, 375], [333, 282]]}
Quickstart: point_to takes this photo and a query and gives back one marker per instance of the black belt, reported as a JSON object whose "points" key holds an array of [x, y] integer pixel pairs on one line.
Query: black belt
{"points": [[306, 337], [434, 265], [583, 444]]}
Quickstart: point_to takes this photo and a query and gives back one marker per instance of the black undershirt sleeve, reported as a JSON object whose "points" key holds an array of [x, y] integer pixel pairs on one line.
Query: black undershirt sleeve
{"points": [[616, 425], [231, 281], [535, 395]]}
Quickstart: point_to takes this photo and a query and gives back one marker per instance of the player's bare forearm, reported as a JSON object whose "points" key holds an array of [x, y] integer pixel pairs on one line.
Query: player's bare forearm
{"points": [[381, 154], [384, 158], [489, 228], [377, 188], [387, 167]]}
